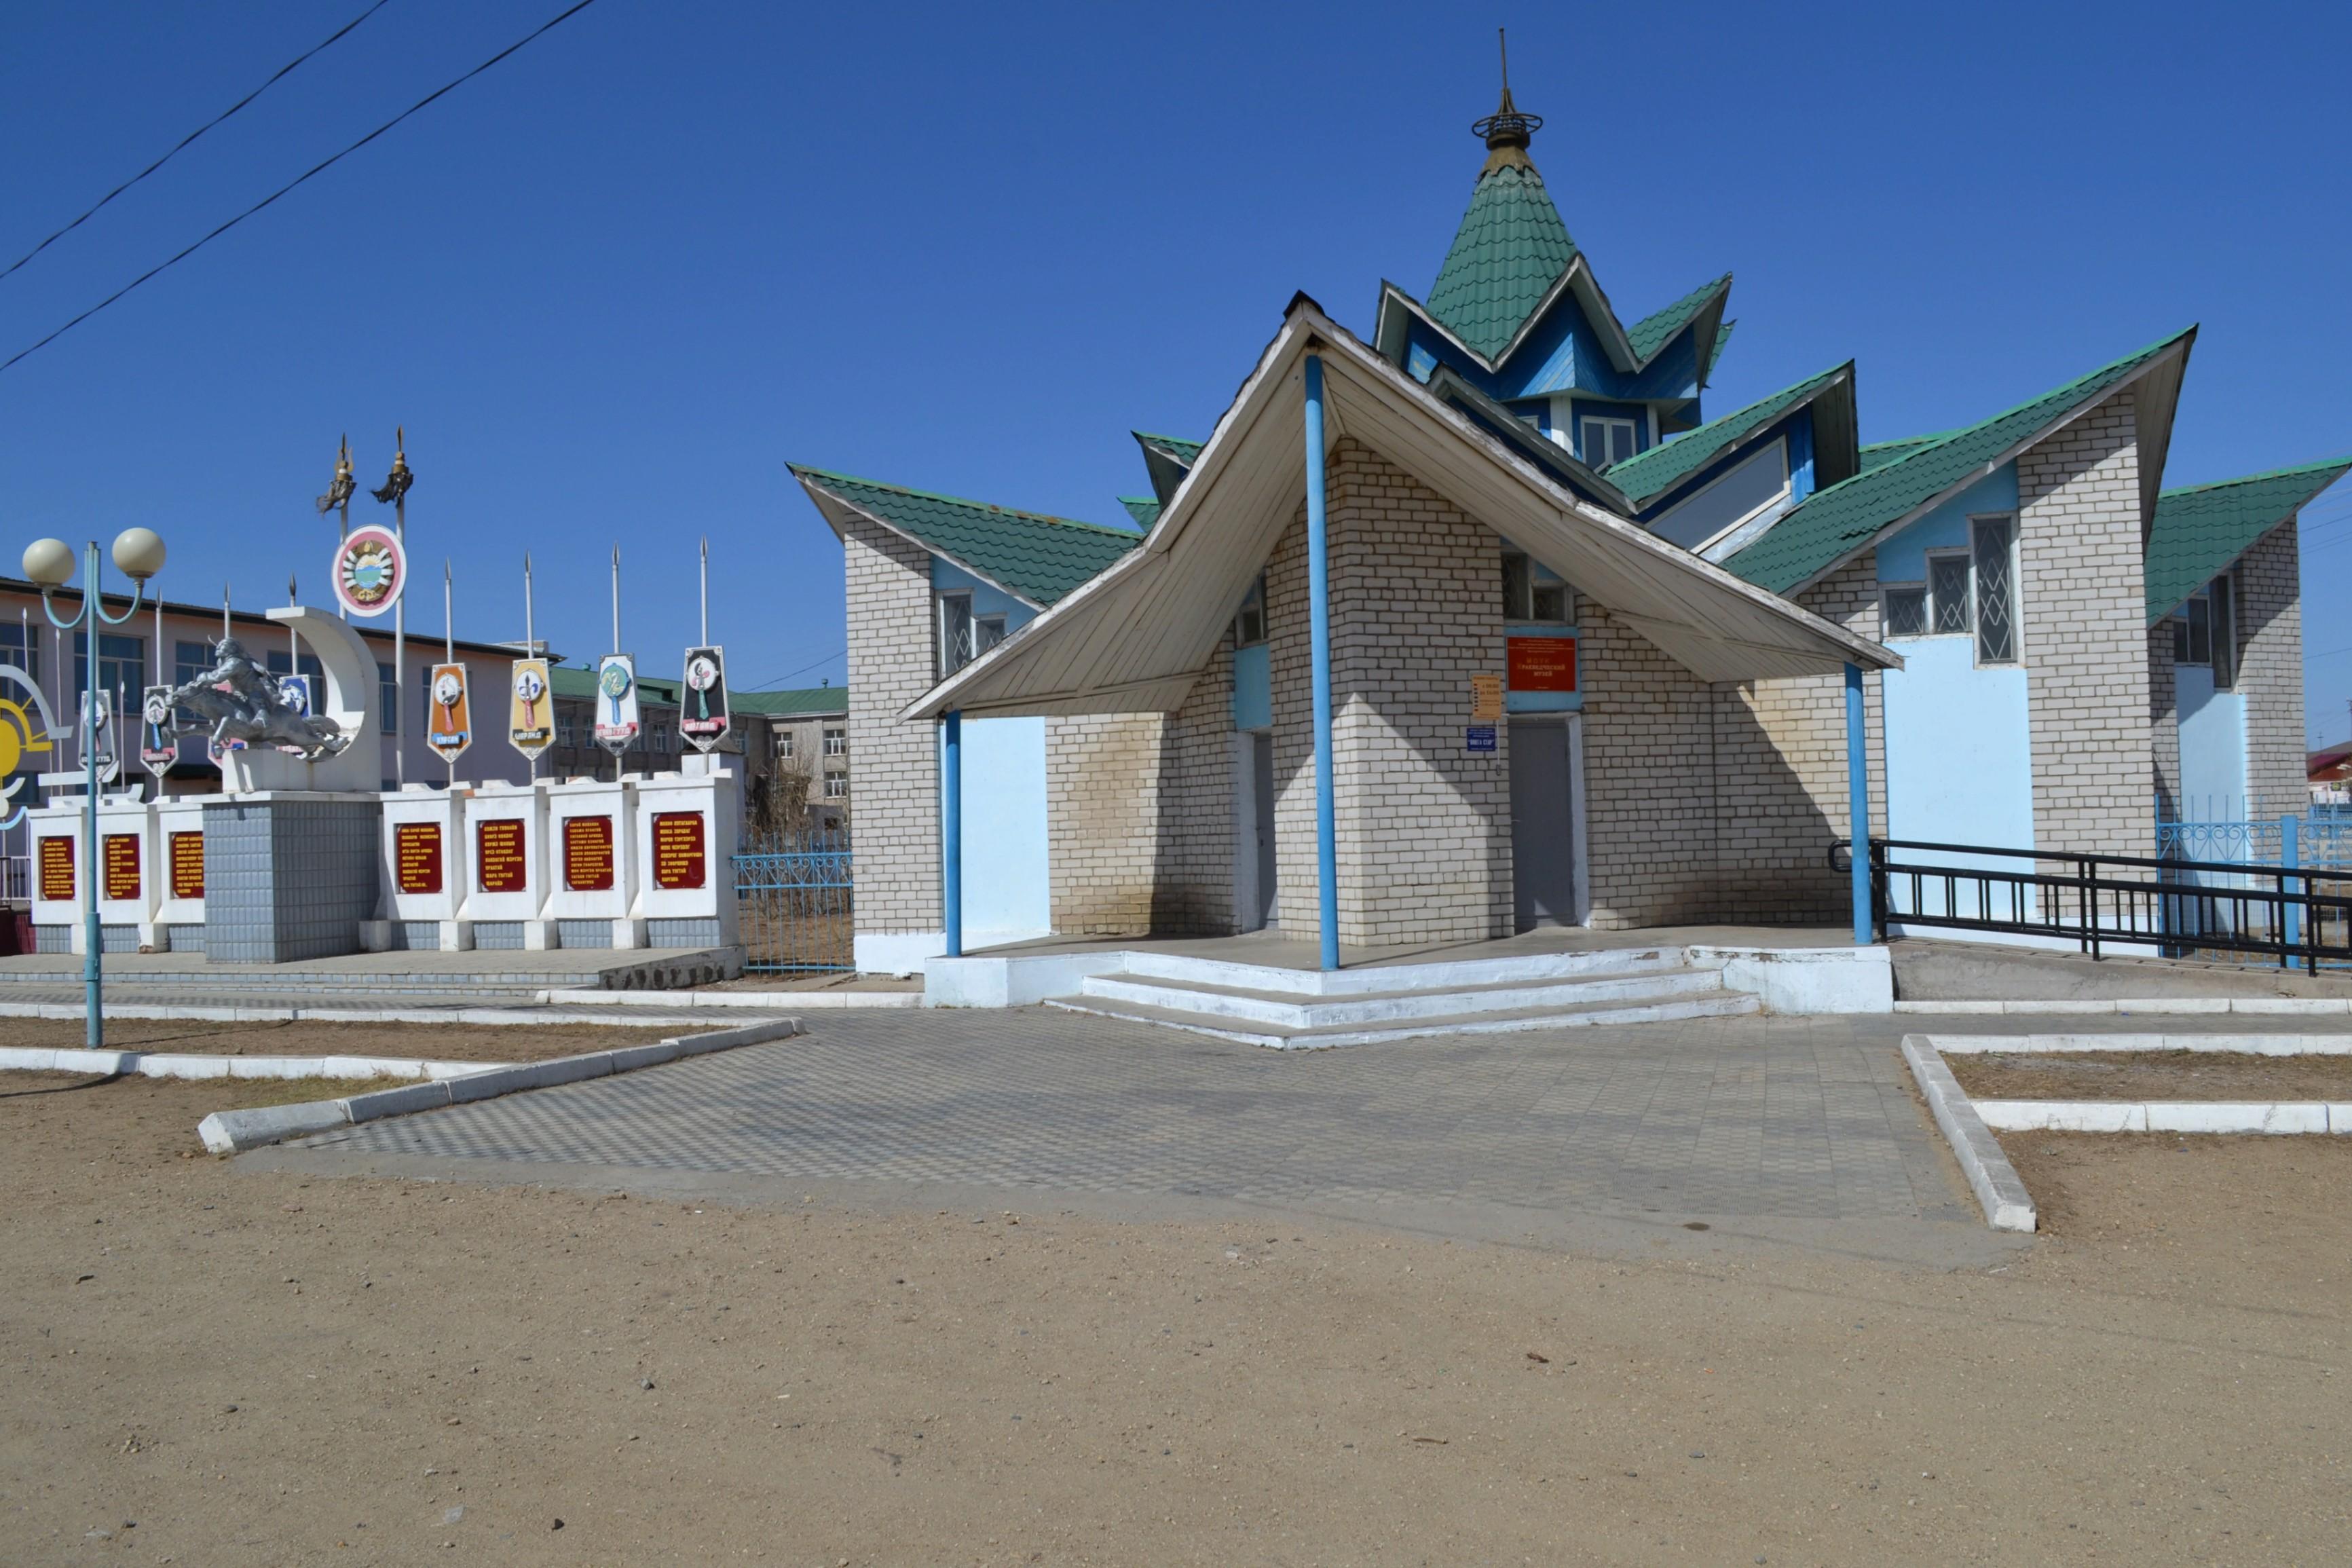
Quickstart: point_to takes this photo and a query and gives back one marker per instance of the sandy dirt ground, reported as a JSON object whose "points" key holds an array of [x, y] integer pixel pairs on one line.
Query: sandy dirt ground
{"points": [[208, 1364], [432, 1042], [2151, 1075]]}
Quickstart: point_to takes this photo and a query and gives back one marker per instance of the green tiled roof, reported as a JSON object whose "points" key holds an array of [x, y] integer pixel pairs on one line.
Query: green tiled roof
{"points": [[812, 700], [1659, 469], [1722, 339], [570, 680], [1510, 248], [1878, 454], [1831, 523], [1145, 510], [2200, 529], [1652, 331], [1040, 558], [1183, 451]]}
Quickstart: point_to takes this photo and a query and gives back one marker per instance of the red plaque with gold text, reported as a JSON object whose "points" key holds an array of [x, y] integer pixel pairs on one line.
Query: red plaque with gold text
{"points": [[678, 849], [57, 869], [187, 855], [588, 854], [500, 866], [416, 856], [1542, 664], [119, 861]]}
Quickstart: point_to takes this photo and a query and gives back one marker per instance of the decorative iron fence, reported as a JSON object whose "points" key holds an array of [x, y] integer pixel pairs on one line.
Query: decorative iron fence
{"points": [[2322, 840], [792, 893], [2096, 902]]}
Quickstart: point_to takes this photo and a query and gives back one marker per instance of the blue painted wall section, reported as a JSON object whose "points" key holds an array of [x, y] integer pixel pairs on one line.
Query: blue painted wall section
{"points": [[1904, 557], [2213, 747], [986, 599], [1253, 689], [1007, 894]]}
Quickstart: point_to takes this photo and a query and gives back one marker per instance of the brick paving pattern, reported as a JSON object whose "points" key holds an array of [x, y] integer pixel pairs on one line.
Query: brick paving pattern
{"points": [[1807, 1119]]}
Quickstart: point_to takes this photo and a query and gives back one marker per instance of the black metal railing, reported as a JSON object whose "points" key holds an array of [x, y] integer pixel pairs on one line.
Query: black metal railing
{"points": [[793, 906], [2175, 908]]}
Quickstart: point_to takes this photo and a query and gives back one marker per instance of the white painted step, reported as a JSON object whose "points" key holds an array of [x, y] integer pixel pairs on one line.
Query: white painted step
{"points": [[1247, 1005], [1668, 1009], [1444, 977]]}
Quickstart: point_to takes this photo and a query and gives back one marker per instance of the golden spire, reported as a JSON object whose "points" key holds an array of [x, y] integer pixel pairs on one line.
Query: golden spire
{"points": [[1506, 131]]}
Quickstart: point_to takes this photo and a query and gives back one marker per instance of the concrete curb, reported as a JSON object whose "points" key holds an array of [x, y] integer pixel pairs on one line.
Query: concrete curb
{"points": [[2286, 1116], [1999, 1189], [257, 1013], [232, 1132], [2307, 1006], [148, 1063], [770, 999], [2235, 1045]]}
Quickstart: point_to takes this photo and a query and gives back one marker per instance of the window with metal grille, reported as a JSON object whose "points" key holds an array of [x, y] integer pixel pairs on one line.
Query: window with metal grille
{"points": [[1905, 610], [1948, 594], [1532, 591], [1996, 589]]}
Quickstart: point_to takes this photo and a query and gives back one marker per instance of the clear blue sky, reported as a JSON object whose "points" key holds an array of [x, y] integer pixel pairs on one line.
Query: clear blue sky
{"points": [[614, 285]]}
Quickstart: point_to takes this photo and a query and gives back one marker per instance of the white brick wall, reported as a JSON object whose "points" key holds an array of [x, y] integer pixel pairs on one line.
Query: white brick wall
{"points": [[2084, 616], [2270, 673], [894, 832]]}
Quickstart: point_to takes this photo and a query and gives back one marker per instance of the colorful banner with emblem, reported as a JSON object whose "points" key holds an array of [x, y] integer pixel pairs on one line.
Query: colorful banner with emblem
{"points": [[530, 707], [702, 707], [448, 723], [616, 702], [371, 570]]}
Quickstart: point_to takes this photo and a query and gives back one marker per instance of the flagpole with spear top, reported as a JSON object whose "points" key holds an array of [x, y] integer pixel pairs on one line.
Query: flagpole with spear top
{"points": [[706, 590], [530, 642], [338, 498], [616, 632], [395, 490], [448, 645]]}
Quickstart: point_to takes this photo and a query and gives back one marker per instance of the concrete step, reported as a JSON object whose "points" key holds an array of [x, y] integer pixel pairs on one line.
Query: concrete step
{"points": [[1257, 1005], [1390, 977], [1659, 1010]]}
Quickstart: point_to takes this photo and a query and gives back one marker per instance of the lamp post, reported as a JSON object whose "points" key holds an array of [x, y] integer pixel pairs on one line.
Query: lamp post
{"points": [[49, 565]]}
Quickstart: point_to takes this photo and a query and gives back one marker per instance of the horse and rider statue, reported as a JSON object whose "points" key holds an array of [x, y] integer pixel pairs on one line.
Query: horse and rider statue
{"points": [[241, 701]]}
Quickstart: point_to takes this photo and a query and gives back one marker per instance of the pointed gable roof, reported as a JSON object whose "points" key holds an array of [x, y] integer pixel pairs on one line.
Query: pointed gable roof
{"points": [[2200, 529], [1834, 523], [1035, 558], [1509, 249], [1646, 475]]}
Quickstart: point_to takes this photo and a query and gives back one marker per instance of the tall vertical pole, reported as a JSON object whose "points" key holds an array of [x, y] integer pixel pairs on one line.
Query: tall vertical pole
{"points": [[449, 647], [1857, 786], [1318, 638], [616, 634], [400, 634], [94, 1022], [293, 643], [530, 648], [706, 590], [951, 830]]}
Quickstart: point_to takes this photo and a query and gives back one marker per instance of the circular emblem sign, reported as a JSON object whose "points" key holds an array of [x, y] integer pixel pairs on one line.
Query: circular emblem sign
{"points": [[615, 681], [371, 570]]}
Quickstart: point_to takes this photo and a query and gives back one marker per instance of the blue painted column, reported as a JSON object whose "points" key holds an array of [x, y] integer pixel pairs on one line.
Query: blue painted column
{"points": [[1857, 788], [951, 830], [1318, 640], [2290, 855]]}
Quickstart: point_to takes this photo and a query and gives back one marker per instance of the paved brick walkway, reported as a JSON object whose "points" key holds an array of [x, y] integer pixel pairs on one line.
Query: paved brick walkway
{"points": [[1810, 1120]]}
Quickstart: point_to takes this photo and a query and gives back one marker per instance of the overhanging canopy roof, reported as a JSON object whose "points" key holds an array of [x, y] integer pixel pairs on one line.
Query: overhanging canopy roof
{"points": [[1134, 638]]}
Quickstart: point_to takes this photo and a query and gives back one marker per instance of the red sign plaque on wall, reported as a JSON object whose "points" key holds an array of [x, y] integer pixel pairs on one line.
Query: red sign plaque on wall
{"points": [[678, 849], [500, 865], [588, 854], [416, 856], [57, 869], [119, 859], [1543, 664], [187, 863]]}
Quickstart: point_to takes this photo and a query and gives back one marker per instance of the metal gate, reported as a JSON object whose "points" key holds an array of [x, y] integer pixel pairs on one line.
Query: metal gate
{"points": [[792, 901]]}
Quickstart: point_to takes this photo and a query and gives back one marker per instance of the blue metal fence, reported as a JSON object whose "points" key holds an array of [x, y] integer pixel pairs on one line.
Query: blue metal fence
{"points": [[793, 895], [2324, 842]]}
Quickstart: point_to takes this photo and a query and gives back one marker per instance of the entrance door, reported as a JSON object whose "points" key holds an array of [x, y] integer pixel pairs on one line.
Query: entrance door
{"points": [[1261, 794], [1543, 857]]}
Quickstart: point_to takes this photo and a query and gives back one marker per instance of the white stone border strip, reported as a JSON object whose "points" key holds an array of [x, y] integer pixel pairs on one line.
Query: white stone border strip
{"points": [[158, 1064], [2165, 1116], [2305, 1006], [262, 1013], [232, 1132], [2000, 1190], [794, 999], [2233, 1045]]}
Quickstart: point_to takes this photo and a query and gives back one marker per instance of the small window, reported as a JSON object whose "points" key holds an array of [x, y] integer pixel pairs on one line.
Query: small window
{"points": [[956, 634], [1249, 621], [836, 786], [1996, 590], [1947, 595], [1532, 591], [1907, 610], [836, 743], [2204, 632], [1606, 441], [2225, 634], [21, 645], [784, 744]]}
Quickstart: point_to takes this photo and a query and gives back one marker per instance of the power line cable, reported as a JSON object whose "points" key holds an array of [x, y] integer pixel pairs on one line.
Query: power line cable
{"points": [[191, 136], [804, 669], [313, 171]]}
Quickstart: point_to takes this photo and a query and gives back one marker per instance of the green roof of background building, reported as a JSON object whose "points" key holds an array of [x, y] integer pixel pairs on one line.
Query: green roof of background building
{"points": [[1655, 330], [1038, 557], [1176, 446], [2200, 529], [573, 680], [1659, 469], [1145, 510], [1831, 524], [1508, 250]]}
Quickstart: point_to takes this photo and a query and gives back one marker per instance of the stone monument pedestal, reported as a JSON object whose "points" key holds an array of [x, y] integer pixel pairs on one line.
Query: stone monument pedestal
{"points": [[290, 874]]}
